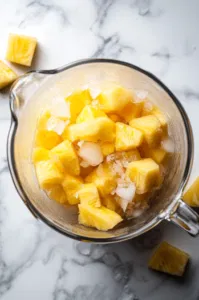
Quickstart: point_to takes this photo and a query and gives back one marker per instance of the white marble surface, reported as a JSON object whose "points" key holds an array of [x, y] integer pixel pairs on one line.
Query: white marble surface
{"points": [[158, 35]]}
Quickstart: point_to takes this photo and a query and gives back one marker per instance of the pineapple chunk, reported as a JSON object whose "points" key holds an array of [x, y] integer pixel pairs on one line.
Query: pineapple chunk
{"points": [[47, 139], [131, 111], [76, 102], [21, 49], [145, 173], [114, 99], [151, 128], [157, 154], [100, 129], [40, 154], [110, 203], [115, 118], [89, 113], [7, 75], [72, 186], [89, 195], [103, 179], [191, 197], [150, 109], [107, 148], [84, 172], [48, 173], [169, 259], [68, 157], [100, 218], [127, 138], [56, 192]]}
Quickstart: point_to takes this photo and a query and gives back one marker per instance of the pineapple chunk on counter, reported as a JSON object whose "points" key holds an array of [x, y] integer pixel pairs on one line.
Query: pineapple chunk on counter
{"points": [[76, 102], [114, 99], [145, 174], [7, 75], [127, 138], [89, 195], [21, 49], [39, 154], [151, 128], [48, 173], [101, 218], [72, 186], [169, 259], [57, 193], [67, 156], [100, 129], [191, 196], [89, 113]]}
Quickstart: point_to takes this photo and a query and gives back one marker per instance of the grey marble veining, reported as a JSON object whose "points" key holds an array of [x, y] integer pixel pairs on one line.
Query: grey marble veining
{"points": [[158, 35]]}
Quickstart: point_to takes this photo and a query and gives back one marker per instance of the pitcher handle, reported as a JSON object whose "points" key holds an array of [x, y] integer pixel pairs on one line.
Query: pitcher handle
{"points": [[186, 218]]}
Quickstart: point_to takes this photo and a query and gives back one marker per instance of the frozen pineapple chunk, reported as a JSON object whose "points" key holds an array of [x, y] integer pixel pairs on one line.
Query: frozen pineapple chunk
{"points": [[40, 154], [89, 195], [150, 109], [110, 203], [191, 197], [100, 218], [47, 139], [114, 99], [76, 102], [107, 148], [7, 75], [56, 192], [68, 157], [103, 178], [115, 118], [145, 174], [48, 173], [169, 259], [157, 154], [151, 128], [72, 186], [21, 49], [89, 113], [127, 138], [131, 111], [100, 129]]}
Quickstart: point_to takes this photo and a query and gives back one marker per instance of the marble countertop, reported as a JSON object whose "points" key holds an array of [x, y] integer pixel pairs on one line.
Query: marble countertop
{"points": [[158, 35]]}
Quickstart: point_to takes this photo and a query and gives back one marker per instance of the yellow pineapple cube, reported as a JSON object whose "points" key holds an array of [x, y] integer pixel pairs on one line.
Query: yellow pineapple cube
{"points": [[68, 157], [151, 128], [157, 154], [110, 203], [21, 49], [104, 180], [131, 111], [89, 113], [169, 259], [76, 102], [47, 139], [115, 118], [127, 138], [57, 193], [100, 129], [150, 109], [114, 99], [7, 75], [40, 154], [191, 196], [100, 218], [72, 186], [145, 174], [89, 195], [48, 173], [107, 148]]}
